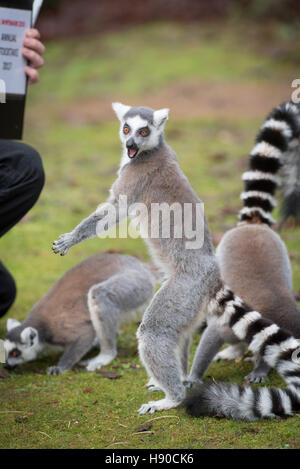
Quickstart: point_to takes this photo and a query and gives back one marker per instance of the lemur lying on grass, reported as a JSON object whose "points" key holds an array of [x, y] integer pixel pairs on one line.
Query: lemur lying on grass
{"points": [[88, 302], [253, 259], [193, 287]]}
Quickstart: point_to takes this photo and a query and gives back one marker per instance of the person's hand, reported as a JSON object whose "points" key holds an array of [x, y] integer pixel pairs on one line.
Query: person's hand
{"points": [[33, 51]]}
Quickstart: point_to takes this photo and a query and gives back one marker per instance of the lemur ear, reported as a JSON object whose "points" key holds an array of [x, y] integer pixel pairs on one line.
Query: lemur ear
{"points": [[11, 324], [120, 109], [160, 117], [29, 336]]}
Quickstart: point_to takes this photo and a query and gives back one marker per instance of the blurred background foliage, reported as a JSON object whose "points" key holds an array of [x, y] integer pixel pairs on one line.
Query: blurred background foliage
{"points": [[61, 18]]}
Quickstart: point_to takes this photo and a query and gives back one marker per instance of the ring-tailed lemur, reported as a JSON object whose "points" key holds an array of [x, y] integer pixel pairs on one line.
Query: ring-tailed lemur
{"points": [[87, 303], [254, 262], [253, 259], [150, 174]]}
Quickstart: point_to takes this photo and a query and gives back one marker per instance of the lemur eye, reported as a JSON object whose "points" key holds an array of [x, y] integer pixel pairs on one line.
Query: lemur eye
{"points": [[15, 353], [126, 129], [144, 133]]}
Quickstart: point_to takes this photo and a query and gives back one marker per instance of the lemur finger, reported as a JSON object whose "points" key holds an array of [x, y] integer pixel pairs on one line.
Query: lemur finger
{"points": [[143, 409], [56, 249], [55, 244], [60, 246], [153, 388], [150, 383], [253, 378], [149, 408]]}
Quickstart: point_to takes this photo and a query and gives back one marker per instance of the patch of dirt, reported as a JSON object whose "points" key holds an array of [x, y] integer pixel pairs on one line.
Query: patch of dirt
{"points": [[190, 99]]}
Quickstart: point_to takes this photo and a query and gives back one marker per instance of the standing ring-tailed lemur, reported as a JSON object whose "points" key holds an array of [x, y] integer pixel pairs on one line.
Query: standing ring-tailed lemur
{"points": [[193, 287], [88, 302], [253, 259]]}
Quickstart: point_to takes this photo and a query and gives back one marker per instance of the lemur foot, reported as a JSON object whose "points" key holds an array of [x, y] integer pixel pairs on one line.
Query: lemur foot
{"points": [[55, 370], [100, 360], [63, 244], [256, 377], [153, 406], [191, 382], [229, 353]]}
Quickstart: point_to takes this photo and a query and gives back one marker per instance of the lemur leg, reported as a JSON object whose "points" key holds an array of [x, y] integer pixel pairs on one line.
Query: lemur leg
{"points": [[73, 353], [105, 317], [108, 301], [152, 386], [260, 372], [160, 334], [108, 214], [185, 357], [232, 352], [209, 344]]}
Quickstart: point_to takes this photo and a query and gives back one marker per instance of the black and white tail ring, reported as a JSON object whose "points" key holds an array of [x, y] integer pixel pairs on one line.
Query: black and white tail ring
{"points": [[277, 148], [276, 346]]}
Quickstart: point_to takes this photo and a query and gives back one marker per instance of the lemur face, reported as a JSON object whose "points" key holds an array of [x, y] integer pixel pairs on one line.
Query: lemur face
{"points": [[141, 128], [20, 347]]}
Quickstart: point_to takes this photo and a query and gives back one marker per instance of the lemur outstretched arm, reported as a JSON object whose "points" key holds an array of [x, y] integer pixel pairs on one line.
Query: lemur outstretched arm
{"points": [[109, 213]]}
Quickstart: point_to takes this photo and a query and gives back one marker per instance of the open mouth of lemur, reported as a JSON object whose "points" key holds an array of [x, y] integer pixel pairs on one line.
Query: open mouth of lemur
{"points": [[132, 151]]}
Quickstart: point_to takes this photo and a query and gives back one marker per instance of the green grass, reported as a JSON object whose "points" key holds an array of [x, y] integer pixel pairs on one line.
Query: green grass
{"points": [[146, 58], [81, 159]]}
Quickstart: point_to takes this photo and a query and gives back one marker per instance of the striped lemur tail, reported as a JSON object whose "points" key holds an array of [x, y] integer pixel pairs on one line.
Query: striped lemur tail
{"points": [[277, 148], [276, 346], [278, 349]]}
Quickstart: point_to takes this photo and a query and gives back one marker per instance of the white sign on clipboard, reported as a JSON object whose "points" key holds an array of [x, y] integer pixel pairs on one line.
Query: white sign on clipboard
{"points": [[14, 23]]}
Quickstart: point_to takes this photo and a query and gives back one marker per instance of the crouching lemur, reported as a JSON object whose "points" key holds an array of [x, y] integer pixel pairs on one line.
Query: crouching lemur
{"points": [[85, 306], [253, 259], [193, 287]]}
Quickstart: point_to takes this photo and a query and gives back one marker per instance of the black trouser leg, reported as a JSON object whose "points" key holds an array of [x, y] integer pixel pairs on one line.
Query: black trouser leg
{"points": [[8, 290], [21, 181]]}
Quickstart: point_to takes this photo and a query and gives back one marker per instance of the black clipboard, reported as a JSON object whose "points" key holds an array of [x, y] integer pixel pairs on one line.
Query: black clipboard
{"points": [[12, 110]]}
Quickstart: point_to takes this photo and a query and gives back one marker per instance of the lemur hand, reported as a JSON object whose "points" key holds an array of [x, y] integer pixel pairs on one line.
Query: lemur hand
{"points": [[55, 370], [63, 244]]}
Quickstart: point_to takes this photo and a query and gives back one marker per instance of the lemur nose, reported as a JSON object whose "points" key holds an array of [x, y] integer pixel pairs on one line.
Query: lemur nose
{"points": [[130, 143]]}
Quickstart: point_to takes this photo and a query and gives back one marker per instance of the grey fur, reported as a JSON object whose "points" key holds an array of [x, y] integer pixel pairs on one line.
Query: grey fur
{"points": [[192, 275], [89, 301], [254, 262], [144, 112], [211, 341], [193, 287]]}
